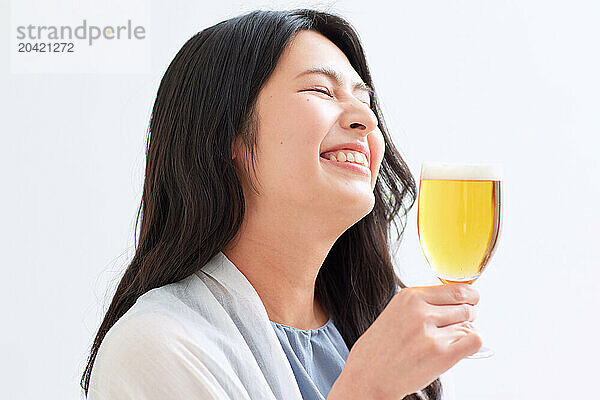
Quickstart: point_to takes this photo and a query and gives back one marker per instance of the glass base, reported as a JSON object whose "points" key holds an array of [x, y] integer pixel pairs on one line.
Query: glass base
{"points": [[484, 352]]}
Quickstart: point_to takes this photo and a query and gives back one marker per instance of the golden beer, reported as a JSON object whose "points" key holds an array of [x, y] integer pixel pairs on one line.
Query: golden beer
{"points": [[458, 219]]}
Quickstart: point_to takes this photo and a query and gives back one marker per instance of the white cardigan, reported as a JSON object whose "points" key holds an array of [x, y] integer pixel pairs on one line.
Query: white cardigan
{"points": [[207, 336]]}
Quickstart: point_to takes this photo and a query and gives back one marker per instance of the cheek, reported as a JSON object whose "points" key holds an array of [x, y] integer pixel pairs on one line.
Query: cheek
{"points": [[311, 118], [291, 131], [296, 126]]}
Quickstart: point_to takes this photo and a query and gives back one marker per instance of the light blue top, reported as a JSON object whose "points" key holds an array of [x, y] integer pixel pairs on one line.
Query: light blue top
{"points": [[317, 357]]}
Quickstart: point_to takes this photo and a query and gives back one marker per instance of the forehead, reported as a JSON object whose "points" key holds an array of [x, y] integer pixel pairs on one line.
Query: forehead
{"points": [[310, 49]]}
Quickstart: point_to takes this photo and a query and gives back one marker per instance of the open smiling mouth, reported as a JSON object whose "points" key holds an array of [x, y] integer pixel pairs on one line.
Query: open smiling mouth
{"points": [[352, 165]]}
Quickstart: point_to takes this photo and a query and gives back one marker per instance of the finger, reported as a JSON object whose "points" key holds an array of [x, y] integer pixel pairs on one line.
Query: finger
{"points": [[448, 315], [455, 332], [451, 293], [464, 340]]}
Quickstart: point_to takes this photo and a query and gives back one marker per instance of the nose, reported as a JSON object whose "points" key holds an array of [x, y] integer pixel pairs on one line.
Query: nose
{"points": [[359, 117]]}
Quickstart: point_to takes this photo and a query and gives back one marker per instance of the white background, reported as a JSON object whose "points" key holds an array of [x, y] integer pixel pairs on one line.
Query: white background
{"points": [[514, 82]]}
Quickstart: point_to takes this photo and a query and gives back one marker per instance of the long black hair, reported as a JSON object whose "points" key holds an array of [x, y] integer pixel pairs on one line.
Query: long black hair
{"points": [[193, 204]]}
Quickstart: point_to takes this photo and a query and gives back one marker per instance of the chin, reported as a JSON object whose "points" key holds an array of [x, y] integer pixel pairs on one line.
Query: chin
{"points": [[356, 207]]}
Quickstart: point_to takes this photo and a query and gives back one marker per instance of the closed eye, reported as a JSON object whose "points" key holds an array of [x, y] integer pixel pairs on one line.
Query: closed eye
{"points": [[320, 91], [324, 91]]}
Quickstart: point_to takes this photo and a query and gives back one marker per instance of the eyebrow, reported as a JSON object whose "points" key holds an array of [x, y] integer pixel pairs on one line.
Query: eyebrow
{"points": [[337, 77]]}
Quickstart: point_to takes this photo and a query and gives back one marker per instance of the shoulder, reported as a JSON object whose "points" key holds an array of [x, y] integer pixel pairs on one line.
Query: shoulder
{"points": [[157, 318], [159, 322], [147, 354], [149, 329], [141, 344]]}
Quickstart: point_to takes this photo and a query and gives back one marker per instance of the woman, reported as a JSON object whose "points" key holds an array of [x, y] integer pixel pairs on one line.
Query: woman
{"points": [[263, 269]]}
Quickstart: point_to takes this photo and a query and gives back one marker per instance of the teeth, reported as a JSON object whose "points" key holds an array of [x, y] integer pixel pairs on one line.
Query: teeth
{"points": [[354, 157]]}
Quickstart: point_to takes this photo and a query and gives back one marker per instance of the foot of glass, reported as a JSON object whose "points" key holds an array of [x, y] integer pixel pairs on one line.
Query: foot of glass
{"points": [[484, 352]]}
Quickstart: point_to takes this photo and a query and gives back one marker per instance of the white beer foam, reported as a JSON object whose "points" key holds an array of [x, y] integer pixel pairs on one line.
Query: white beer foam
{"points": [[470, 172]]}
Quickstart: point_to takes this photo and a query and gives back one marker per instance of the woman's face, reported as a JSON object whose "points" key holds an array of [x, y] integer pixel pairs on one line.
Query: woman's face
{"points": [[302, 115]]}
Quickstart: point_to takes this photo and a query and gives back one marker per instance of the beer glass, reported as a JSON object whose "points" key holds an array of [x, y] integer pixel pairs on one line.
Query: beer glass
{"points": [[459, 221]]}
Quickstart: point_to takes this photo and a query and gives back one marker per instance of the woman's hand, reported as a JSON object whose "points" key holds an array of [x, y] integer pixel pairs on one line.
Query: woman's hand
{"points": [[421, 333]]}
